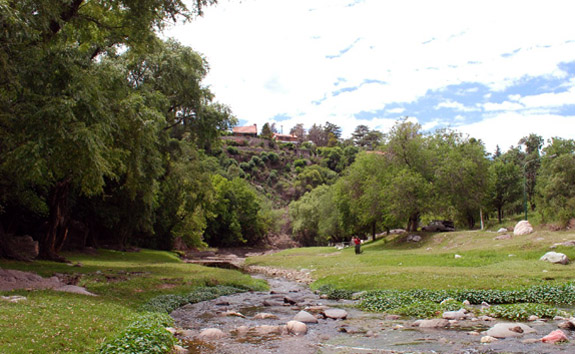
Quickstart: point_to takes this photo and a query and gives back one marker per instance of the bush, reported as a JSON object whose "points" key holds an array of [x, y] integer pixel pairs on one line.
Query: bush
{"points": [[521, 312], [273, 157], [300, 163], [256, 161], [246, 167], [335, 293], [147, 334], [400, 301], [232, 150]]}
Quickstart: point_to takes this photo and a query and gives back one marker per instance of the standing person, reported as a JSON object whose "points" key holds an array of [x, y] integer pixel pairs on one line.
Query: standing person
{"points": [[357, 243]]}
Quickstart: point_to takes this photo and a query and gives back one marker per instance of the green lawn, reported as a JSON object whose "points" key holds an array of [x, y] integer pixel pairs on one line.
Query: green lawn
{"points": [[390, 263], [56, 322]]}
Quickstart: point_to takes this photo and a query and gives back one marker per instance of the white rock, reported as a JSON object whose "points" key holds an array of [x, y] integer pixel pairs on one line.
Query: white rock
{"points": [[454, 315], [502, 230], [555, 258], [466, 303], [523, 228], [488, 339], [532, 318], [305, 317], [297, 328], [433, 323], [457, 256], [508, 330], [13, 298], [212, 333], [336, 314], [171, 330]]}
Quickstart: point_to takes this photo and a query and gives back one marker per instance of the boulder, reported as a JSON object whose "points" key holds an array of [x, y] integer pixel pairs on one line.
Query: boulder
{"points": [[297, 328], [413, 238], [336, 314], [434, 323], [555, 337], [522, 228], [555, 258], [212, 333], [457, 256], [22, 248], [508, 330], [502, 230], [305, 317]]}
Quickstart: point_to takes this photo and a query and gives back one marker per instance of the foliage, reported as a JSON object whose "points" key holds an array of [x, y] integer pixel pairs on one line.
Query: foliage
{"points": [[387, 300], [555, 189], [521, 312], [146, 334], [235, 217], [334, 293], [170, 302]]}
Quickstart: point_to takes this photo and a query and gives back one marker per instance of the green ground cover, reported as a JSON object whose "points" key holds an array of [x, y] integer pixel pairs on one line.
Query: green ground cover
{"points": [[56, 322], [392, 263]]}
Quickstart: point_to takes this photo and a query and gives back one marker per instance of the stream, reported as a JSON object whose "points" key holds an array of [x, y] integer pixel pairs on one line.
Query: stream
{"points": [[360, 332]]}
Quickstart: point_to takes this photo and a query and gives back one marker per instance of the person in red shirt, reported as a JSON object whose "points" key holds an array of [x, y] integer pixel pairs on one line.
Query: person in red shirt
{"points": [[357, 243]]}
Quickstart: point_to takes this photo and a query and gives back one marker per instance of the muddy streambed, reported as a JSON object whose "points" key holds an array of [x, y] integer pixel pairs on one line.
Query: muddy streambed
{"points": [[360, 332]]}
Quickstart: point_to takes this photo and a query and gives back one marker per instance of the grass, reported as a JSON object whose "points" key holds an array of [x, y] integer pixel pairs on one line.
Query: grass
{"points": [[56, 322], [391, 263]]}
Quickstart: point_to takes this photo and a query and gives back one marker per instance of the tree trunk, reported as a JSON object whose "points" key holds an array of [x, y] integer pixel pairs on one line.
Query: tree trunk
{"points": [[413, 222], [373, 230], [499, 214], [57, 231]]}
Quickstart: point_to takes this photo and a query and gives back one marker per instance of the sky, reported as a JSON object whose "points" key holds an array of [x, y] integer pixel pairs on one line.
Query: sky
{"points": [[495, 70]]}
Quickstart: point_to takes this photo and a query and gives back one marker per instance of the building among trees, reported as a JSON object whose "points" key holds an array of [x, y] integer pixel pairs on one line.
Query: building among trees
{"points": [[247, 131]]}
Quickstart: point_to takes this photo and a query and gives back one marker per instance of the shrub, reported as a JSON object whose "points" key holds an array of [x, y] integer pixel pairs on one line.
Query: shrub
{"points": [[300, 163], [147, 334], [273, 157], [256, 161], [232, 150], [246, 167], [521, 312], [335, 293]]}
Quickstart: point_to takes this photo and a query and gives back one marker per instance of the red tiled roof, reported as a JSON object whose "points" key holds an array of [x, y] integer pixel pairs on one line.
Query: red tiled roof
{"points": [[250, 129]]}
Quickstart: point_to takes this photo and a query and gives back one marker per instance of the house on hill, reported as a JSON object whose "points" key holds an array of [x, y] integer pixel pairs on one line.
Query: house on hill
{"points": [[247, 131], [284, 138]]}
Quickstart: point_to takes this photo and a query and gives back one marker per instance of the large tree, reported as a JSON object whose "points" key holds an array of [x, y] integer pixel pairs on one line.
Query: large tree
{"points": [[64, 105]]}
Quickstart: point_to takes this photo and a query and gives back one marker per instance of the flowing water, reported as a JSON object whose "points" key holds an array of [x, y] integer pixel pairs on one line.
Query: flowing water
{"points": [[361, 332]]}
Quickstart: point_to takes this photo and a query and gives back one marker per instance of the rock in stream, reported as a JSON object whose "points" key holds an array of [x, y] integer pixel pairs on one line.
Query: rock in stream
{"points": [[273, 322]]}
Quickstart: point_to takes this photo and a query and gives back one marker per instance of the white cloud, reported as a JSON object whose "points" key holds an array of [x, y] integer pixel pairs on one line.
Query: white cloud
{"points": [[506, 129], [270, 56], [504, 106], [458, 106]]}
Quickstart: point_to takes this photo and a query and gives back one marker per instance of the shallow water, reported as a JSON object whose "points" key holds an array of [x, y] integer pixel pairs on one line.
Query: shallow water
{"points": [[361, 332]]}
